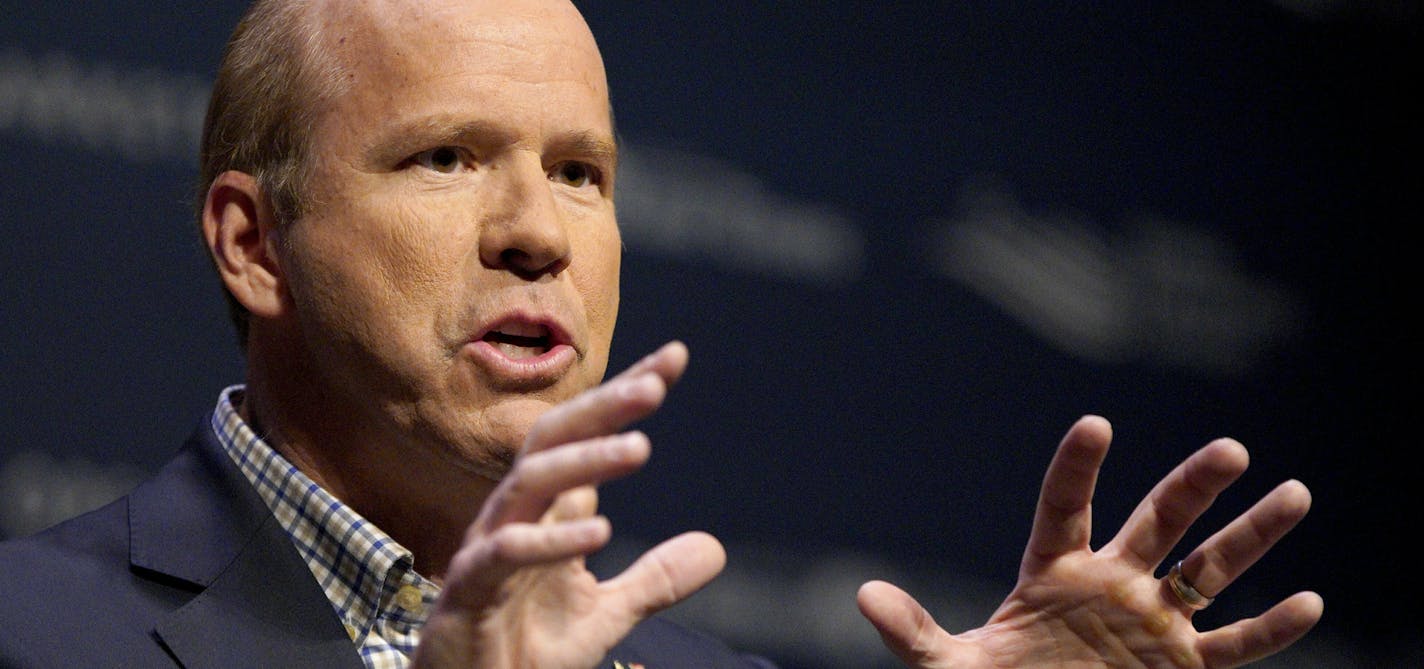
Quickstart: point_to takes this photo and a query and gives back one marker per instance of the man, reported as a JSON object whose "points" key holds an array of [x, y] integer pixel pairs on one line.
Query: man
{"points": [[410, 206]]}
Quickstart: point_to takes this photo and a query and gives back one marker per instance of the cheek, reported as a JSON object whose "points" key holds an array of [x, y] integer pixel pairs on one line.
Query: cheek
{"points": [[417, 262], [597, 284], [323, 276], [385, 270], [407, 249]]}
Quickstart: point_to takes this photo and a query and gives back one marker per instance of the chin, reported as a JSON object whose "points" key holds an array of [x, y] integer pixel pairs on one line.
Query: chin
{"points": [[486, 463], [487, 442]]}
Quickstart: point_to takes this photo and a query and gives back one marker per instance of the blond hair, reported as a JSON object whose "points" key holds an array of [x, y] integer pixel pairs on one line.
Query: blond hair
{"points": [[274, 75]]}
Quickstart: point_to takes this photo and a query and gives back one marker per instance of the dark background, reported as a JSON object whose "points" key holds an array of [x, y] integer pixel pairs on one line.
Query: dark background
{"points": [[907, 243]]}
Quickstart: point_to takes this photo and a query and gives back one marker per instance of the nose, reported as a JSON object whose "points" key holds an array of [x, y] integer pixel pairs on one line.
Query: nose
{"points": [[524, 230]]}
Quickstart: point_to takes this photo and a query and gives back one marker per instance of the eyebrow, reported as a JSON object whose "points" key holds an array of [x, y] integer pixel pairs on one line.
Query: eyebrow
{"points": [[396, 142], [585, 144]]}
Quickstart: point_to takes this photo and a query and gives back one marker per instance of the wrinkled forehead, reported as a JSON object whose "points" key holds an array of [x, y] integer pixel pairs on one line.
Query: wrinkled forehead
{"points": [[391, 39]]}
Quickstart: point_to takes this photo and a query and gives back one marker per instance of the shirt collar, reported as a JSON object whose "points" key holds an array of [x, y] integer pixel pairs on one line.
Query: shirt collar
{"points": [[361, 569]]}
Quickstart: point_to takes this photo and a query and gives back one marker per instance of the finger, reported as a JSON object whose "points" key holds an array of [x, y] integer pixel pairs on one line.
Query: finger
{"points": [[609, 407], [581, 502], [482, 565], [668, 361], [668, 573], [537, 479], [1248, 640], [1165, 514], [906, 628], [523, 544], [1224, 556], [1063, 521]]}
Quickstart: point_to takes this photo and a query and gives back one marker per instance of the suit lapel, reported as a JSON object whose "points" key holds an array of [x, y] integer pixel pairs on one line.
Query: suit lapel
{"points": [[199, 521]]}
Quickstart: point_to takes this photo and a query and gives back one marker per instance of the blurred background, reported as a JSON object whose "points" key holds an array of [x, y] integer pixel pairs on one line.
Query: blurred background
{"points": [[907, 243]]}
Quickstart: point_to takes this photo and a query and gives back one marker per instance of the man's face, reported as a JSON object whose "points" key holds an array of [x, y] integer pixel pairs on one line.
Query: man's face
{"points": [[458, 271]]}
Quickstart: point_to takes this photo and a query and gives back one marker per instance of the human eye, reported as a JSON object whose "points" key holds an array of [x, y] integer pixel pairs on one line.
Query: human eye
{"points": [[443, 159], [576, 174]]}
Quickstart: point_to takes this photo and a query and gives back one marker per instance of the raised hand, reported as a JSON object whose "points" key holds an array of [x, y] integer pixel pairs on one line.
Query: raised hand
{"points": [[517, 593], [1074, 606]]}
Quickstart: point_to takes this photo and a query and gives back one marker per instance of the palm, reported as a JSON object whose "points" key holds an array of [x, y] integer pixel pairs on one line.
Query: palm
{"points": [[1074, 606], [1054, 615], [558, 615]]}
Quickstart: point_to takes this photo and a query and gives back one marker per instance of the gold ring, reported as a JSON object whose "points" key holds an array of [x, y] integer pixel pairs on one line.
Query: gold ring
{"points": [[1185, 591]]}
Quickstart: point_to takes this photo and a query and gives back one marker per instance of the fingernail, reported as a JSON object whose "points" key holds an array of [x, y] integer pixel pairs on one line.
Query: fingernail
{"points": [[624, 446], [633, 442], [592, 529]]}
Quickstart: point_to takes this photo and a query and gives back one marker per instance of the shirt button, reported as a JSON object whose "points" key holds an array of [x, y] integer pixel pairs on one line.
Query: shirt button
{"points": [[409, 598]]}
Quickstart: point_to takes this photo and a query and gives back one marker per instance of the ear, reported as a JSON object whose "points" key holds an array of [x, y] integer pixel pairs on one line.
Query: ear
{"points": [[240, 229]]}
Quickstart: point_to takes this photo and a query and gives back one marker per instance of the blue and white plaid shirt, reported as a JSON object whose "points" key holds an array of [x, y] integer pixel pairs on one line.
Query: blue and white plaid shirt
{"points": [[366, 575]]}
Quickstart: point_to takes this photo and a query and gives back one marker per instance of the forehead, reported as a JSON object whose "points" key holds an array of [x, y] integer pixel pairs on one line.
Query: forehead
{"points": [[503, 59]]}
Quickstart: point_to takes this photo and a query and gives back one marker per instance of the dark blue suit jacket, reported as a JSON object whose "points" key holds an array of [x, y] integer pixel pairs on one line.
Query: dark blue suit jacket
{"points": [[191, 569]]}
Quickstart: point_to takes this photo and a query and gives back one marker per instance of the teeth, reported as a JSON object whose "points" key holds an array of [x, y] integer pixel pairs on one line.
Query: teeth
{"points": [[517, 352], [522, 330]]}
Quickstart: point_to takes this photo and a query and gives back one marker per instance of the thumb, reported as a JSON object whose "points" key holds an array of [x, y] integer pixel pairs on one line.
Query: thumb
{"points": [[907, 629], [669, 573]]}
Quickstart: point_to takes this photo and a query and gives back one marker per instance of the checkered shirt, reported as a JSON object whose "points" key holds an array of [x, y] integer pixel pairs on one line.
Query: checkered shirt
{"points": [[367, 576]]}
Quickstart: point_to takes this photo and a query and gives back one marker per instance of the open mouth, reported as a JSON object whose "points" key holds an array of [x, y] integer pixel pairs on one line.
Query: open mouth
{"points": [[522, 352], [520, 341]]}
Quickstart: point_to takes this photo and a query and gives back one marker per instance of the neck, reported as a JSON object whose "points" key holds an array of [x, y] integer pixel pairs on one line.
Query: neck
{"points": [[419, 498]]}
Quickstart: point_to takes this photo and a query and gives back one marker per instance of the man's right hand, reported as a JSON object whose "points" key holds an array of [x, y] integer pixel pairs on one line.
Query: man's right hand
{"points": [[517, 593]]}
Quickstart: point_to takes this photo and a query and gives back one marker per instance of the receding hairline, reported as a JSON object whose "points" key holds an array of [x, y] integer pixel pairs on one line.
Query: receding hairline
{"points": [[325, 15], [340, 28]]}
